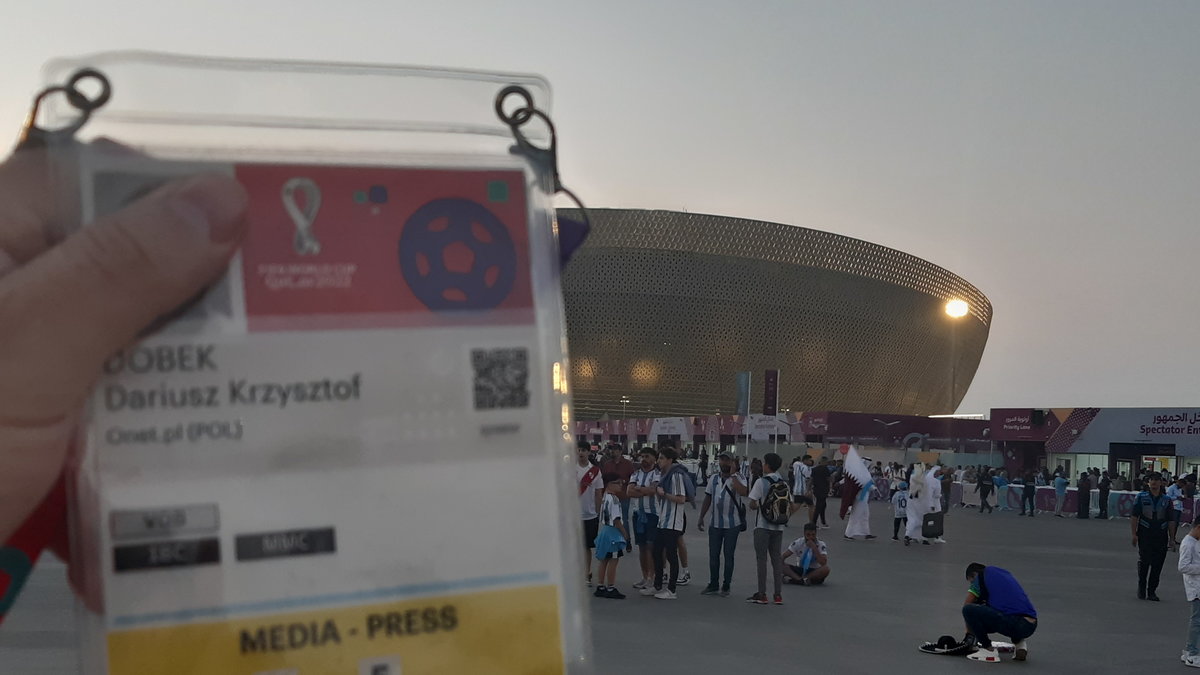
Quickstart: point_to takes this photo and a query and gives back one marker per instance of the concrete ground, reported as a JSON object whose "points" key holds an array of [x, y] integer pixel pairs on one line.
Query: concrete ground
{"points": [[882, 600]]}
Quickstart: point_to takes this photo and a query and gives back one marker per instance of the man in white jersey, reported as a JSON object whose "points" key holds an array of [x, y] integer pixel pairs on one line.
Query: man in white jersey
{"points": [[643, 488], [672, 497], [591, 493], [809, 558], [802, 483], [721, 494], [768, 536]]}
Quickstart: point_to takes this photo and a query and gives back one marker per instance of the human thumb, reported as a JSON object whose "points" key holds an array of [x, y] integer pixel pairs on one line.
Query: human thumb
{"points": [[70, 308], [67, 310]]}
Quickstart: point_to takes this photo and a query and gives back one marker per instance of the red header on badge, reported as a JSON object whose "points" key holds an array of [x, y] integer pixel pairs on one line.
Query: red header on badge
{"points": [[338, 247]]}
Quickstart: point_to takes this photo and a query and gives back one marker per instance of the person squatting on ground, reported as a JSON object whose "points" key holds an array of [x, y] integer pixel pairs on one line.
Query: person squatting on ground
{"points": [[996, 603], [1153, 520], [643, 487], [770, 499], [728, 519], [812, 558], [900, 511], [612, 539], [1189, 566]]}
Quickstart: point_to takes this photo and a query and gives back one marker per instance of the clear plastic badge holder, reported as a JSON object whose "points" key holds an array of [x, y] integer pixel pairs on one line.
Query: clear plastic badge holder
{"points": [[350, 455]]}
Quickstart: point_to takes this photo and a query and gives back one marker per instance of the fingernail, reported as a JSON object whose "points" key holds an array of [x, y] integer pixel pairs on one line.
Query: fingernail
{"points": [[214, 203]]}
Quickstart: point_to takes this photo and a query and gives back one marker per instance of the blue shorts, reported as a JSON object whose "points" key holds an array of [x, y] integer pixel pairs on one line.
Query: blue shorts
{"points": [[645, 533]]}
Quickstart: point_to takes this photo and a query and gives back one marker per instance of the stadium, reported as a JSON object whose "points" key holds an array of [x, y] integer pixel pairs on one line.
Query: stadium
{"points": [[665, 308]]}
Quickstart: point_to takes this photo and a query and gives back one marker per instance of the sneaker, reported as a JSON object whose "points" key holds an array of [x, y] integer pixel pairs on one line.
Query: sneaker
{"points": [[589, 581], [869, 536], [725, 592], [1150, 595], [665, 594], [1021, 651], [779, 599], [1192, 661], [939, 540], [1183, 656], [709, 590], [926, 542], [758, 599], [907, 541], [684, 579], [647, 591], [601, 592], [985, 655], [897, 538], [641, 584], [614, 594]]}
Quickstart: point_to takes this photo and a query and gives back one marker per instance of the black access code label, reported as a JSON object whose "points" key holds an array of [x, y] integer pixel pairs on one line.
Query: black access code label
{"points": [[285, 543], [161, 554]]}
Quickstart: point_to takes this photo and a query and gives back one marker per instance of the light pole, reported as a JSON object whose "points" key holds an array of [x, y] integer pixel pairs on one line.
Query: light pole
{"points": [[624, 416], [955, 309]]}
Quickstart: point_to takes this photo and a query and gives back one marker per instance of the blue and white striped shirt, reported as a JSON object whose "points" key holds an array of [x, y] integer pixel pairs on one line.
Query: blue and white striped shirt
{"points": [[671, 515], [643, 479], [724, 507]]}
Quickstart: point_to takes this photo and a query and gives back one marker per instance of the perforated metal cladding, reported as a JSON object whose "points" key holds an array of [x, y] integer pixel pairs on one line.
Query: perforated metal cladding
{"points": [[666, 308]]}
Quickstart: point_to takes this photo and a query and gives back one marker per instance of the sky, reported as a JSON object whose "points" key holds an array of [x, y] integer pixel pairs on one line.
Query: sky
{"points": [[1046, 152]]}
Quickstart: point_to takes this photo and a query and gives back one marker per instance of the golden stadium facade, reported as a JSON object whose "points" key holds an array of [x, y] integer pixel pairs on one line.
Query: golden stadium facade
{"points": [[665, 308]]}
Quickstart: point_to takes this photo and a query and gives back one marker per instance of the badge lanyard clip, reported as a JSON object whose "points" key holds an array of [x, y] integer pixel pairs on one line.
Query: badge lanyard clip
{"points": [[546, 159], [33, 136]]}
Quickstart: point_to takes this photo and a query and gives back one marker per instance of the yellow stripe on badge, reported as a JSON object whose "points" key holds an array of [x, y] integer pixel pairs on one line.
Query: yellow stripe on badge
{"points": [[508, 632]]}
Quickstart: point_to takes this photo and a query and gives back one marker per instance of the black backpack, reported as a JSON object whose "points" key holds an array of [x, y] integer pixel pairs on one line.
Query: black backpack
{"points": [[776, 507]]}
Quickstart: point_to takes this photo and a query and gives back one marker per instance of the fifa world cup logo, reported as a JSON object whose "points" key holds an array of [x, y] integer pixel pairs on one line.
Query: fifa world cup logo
{"points": [[303, 214]]}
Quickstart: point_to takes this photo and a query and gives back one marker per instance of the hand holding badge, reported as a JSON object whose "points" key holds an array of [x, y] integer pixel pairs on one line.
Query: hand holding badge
{"points": [[278, 430]]}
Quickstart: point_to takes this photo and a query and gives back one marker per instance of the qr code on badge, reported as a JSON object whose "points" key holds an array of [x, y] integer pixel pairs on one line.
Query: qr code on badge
{"points": [[501, 378]]}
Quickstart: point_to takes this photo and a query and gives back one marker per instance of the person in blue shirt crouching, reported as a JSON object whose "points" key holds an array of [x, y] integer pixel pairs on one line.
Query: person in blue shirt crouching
{"points": [[996, 603]]}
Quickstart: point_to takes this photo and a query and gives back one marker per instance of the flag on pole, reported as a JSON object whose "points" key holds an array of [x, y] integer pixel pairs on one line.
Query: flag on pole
{"points": [[771, 393], [743, 393]]}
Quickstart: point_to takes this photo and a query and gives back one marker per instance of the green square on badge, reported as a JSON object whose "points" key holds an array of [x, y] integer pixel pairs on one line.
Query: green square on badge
{"points": [[497, 191], [360, 197]]}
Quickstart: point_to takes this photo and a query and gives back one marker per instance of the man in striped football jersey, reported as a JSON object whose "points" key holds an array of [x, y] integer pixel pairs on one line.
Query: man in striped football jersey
{"points": [[643, 486], [721, 494]]}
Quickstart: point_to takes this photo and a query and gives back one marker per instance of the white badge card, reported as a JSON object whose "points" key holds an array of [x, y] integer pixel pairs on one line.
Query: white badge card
{"points": [[341, 458]]}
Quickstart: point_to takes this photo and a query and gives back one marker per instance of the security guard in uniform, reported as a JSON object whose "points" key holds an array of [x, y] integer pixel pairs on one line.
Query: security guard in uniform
{"points": [[1153, 520]]}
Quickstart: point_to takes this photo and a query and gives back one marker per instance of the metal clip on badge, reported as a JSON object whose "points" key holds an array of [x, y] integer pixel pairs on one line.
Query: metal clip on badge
{"points": [[33, 136], [545, 158]]}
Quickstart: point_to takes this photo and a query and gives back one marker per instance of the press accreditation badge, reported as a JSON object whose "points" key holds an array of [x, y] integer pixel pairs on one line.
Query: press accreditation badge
{"points": [[320, 464]]}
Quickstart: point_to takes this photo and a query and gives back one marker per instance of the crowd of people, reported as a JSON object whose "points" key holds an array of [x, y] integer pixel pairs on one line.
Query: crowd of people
{"points": [[646, 504], [623, 505]]}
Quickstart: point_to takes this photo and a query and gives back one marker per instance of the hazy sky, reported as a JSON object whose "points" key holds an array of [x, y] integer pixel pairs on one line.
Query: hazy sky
{"points": [[1047, 152]]}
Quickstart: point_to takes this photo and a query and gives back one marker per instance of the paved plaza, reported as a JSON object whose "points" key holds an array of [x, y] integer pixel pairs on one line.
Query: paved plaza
{"points": [[881, 601]]}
